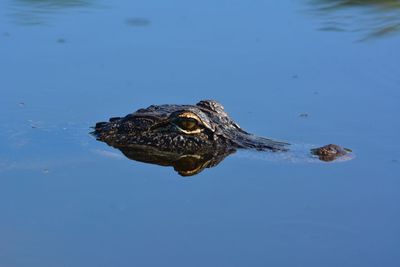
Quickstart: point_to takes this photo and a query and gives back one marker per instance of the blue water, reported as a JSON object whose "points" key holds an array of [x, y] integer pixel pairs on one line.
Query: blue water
{"points": [[68, 200]]}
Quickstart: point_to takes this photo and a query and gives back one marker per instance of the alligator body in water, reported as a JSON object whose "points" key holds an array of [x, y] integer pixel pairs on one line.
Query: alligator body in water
{"points": [[189, 137]]}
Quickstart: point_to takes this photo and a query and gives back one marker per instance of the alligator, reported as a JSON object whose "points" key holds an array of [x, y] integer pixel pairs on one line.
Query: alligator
{"points": [[189, 137]]}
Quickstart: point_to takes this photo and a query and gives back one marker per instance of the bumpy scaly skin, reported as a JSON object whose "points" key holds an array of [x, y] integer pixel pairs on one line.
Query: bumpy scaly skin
{"points": [[154, 126], [160, 127]]}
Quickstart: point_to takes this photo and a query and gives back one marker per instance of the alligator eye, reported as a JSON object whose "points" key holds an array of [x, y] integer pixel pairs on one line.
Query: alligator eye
{"points": [[188, 124]]}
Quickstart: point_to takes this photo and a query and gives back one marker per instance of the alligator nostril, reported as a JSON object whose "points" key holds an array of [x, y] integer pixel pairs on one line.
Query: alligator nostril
{"points": [[100, 124]]}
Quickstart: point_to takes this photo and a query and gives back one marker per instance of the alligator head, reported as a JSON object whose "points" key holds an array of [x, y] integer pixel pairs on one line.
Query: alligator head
{"points": [[181, 129], [188, 137]]}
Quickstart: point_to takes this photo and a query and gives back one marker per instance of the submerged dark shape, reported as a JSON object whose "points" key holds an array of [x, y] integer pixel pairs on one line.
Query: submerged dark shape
{"points": [[187, 137]]}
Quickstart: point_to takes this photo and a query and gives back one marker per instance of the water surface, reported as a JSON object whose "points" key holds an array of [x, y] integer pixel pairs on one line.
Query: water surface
{"points": [[68, 200]]}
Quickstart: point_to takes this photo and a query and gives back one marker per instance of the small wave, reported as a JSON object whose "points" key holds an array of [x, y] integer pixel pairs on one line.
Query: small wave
{"points": [[298, 153]]}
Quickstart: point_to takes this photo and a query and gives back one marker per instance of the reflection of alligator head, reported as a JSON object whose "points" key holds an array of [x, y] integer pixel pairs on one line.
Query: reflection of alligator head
{"points": [[184, 164], [187, 137]]}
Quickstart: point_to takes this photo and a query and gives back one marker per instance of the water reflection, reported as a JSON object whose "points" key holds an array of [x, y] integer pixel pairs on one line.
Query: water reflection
{"points": [[183, 164], [32, 12], [372, 18], [188, 164]]}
